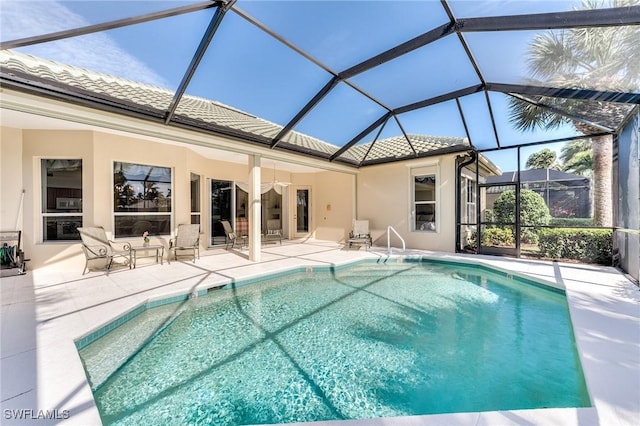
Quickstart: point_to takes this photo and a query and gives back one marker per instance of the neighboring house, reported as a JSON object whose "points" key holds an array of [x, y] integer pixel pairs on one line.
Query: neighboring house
{"points": [[566, 194], [66, 165]]}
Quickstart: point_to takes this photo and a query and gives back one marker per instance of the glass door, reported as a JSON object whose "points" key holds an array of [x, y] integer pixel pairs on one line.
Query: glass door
{"points": [[222, 202], [302, 216]]}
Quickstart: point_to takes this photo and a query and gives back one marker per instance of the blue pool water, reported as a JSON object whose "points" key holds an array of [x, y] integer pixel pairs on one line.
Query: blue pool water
{"points": [[371, 340]]}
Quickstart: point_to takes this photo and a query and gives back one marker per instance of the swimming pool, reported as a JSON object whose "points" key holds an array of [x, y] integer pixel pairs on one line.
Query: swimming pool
{"points": [[371, 340]]}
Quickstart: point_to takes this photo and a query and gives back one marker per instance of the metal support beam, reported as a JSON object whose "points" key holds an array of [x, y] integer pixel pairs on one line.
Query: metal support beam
{"points": [[404, 133], [308, 107], [558, 92], [612, 17], [401, 49], [197, 57], [464, 122], [60, 35], [361, 135], [438, 99], [366, 154]]}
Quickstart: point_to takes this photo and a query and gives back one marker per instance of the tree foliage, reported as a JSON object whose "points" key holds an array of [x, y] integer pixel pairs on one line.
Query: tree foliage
{"points": [[533, 212], [599, 58], [577, 157], [543, 159]]}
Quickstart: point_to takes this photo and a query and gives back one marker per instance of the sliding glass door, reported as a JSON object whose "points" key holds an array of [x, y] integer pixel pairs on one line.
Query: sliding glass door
{"points": [[222, 198], [302, 217]]}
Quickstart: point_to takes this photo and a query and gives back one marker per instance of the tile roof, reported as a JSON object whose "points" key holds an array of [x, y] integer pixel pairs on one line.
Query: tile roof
{"points": [[199, 112]]}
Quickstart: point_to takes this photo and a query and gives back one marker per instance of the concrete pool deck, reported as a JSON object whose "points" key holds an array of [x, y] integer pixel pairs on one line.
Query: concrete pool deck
{"points": [[44, 311]]}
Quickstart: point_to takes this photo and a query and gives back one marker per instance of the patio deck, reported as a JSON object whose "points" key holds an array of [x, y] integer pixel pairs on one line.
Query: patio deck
{"points": [[45, 310]]}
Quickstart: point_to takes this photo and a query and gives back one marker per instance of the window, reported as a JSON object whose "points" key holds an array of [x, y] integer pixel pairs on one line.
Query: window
{"points": [[195, 198], [424, 199], [469, 215], [61, 199], [141, 199]]}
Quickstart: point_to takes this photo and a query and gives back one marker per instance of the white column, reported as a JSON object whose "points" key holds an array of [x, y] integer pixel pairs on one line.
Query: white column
{"points": [[254, 208]]}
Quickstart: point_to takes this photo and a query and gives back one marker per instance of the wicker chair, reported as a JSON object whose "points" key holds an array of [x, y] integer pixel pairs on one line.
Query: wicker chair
{"points": [[100, 252], [187, 239]]}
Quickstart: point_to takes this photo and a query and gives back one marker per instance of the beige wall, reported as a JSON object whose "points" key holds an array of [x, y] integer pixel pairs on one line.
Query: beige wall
{"points": [[384, 197], [333, 205], [10, 177], [379, 193], [21, 151]]}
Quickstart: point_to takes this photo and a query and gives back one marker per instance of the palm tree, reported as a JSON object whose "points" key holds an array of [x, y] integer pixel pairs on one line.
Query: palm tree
{"points": [[596, 58], [576, 157]]}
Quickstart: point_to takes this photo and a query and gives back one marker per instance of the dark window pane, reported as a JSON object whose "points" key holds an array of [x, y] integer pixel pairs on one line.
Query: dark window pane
{"points": [[425, 217], [195, 193], [141, 188], [61, 228], [61, 186], [136, 225]]}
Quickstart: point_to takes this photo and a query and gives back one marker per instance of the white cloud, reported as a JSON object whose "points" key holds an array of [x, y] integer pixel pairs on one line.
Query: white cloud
{"points": [[97, 52]]}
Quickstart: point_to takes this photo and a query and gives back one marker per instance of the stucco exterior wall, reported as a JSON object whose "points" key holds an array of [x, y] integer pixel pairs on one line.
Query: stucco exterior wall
{"points": [[10, 178], [22, 150], [384, 197], [38, 144], [333, 193]]}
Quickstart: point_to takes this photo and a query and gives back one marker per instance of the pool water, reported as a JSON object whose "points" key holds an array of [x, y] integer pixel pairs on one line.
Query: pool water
{"points": [[371, 340]]}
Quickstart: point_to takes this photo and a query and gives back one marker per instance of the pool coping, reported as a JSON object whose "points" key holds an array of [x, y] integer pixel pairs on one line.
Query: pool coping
{"points": [[603, 305]]}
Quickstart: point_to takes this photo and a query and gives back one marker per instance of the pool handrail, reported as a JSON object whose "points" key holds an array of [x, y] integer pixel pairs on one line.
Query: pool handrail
{"points": [[389, 248]]}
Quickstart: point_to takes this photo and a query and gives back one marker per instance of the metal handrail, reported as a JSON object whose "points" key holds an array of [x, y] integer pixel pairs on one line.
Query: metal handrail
{"points": [[389, 248]]}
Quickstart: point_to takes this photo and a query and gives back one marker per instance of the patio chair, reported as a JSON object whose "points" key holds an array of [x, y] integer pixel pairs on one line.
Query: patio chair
{"points": [[101, 252], [360, 234], [187, 239], [274, 231], [230, 236]]}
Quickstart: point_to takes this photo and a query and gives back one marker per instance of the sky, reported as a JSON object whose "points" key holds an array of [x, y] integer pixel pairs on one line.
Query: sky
{"points": [[249, 70]]}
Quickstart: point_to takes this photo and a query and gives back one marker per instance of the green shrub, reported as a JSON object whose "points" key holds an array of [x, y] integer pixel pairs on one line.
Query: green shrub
{"points": [[501, 237], [491, 237], [585, 245], [533, 212], [572, 222]]}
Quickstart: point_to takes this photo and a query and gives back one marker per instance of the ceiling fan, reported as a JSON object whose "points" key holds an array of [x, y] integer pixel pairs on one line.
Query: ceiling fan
{"points": [[276, 182]]}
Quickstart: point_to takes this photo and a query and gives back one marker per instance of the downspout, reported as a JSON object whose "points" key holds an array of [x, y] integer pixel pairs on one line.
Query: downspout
{"points": [[472, 158]]}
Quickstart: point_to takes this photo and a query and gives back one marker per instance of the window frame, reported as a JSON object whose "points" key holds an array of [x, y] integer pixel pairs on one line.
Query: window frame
{"points": [[424, 170], [43, 190], [470, 204], [198, 202], [115, 214]]}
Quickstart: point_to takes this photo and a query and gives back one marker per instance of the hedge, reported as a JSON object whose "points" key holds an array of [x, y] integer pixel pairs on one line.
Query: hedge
{"points": [[585, 245], [492, 237], [571, 221]]}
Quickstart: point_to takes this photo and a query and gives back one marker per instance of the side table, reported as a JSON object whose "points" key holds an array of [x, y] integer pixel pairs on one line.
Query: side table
{"points": [[157, 249]]}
